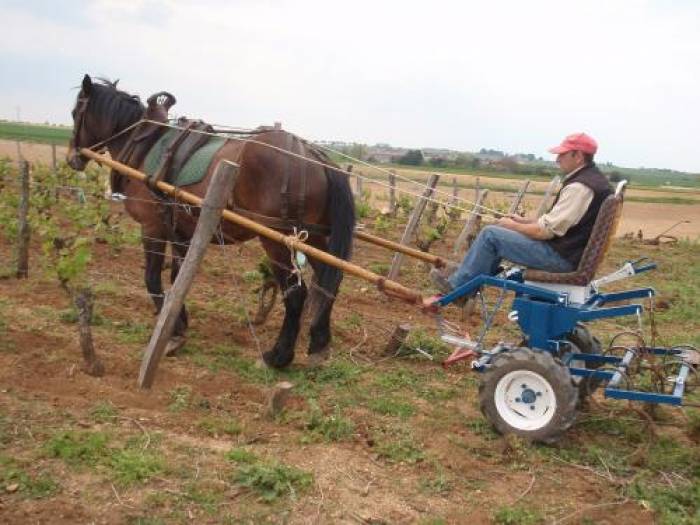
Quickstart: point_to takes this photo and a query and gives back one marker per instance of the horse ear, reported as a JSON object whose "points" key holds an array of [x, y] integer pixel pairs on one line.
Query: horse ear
{"points": [[115, 83], [87, 84]]}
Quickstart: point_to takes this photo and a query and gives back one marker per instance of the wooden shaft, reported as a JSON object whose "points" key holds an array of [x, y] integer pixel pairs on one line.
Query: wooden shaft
{"points": [[290, 241], [436, 261]]}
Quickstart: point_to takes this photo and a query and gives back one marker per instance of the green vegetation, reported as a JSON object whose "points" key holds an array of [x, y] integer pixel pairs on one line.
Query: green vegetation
{"points": [[270, 479], [333, 427], [36, 133], [126, 465], [517, 516], [15, 478]]}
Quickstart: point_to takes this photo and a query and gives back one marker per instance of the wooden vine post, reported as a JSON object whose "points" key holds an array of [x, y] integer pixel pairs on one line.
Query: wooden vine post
{"points": [[471, 226], [413, 223], [23, 224], [519, 197], [215, 200], [392, 192]]}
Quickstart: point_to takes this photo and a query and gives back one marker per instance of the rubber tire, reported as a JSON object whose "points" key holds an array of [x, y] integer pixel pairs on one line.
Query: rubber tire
{"points": [[586, 343], [551, 369]]}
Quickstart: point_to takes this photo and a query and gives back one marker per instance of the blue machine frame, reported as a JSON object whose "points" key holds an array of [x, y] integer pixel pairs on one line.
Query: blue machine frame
{"points": [[547, 317]]}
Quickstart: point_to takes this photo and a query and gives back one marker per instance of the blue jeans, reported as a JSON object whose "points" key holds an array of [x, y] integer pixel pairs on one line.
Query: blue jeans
{"points": [[495, 243]]}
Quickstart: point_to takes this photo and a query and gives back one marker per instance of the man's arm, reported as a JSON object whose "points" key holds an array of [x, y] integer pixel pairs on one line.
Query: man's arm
{"points": [[530, 228], [569, 210]]}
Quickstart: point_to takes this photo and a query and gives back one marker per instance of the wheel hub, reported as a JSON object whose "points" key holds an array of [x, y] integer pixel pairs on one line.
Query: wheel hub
{"points": [[525, 400]]}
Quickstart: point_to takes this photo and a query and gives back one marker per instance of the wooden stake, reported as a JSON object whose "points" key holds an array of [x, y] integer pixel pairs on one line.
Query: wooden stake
{"points": [[217, 194], [54, 165], [23, 225], [471, 225], [392, 192], [397, 338], [519, 197], [83, 304], [413, 223], [277, 398]]}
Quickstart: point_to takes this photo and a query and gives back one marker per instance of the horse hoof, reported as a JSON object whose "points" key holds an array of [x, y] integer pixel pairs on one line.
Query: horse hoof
{"points": [[317, 359], [174, 345], [272, 359]]}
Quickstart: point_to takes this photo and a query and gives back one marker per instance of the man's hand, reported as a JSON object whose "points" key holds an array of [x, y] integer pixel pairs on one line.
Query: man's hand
{"points": [[529, 228]]}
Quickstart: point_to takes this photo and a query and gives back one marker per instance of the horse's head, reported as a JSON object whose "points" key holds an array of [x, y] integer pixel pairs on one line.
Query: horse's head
{"points": [[100, 112]]}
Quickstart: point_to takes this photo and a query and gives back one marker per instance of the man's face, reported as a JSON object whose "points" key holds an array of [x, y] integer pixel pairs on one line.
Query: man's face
{"points": [[569, 161]]}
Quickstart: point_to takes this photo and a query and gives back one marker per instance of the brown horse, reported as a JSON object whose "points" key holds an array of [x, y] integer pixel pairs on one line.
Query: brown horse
{"points": [[270, 185]]}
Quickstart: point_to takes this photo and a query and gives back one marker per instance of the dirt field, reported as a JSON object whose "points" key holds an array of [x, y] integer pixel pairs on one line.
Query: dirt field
{"points": [[368, 438]]}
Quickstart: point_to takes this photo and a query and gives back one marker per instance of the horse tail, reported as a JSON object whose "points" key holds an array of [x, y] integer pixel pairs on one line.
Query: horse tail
{"points": [[341, 206]]}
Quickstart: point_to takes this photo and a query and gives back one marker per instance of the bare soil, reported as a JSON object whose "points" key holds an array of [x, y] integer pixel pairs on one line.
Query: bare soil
{"points": [[464, 475]]}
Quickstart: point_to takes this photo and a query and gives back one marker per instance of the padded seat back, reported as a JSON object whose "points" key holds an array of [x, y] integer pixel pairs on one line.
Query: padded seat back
{"points": [[594, 253]]}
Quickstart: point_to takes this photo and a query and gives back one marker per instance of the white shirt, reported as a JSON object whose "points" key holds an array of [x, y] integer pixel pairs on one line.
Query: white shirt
{"points": [[573, 202]]}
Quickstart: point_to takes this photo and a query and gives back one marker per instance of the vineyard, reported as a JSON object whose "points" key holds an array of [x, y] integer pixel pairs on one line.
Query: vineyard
{"points": [[370, 437]]}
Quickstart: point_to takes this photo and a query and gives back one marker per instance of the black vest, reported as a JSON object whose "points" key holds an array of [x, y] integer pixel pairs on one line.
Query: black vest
{"points": [[571, 245]]}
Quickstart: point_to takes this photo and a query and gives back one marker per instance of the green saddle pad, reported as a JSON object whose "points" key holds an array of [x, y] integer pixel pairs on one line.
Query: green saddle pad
{"points": [[196, 166]]}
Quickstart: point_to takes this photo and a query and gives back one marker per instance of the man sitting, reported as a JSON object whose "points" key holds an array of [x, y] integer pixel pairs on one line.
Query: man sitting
{"points": [[555, 241]]}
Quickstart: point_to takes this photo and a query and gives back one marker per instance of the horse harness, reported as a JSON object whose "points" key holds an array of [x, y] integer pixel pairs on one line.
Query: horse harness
{"points": [[193, 135]]}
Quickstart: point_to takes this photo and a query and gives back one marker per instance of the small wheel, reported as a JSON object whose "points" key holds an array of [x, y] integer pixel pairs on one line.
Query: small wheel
{"points": [[528, 393], [585, 343]]}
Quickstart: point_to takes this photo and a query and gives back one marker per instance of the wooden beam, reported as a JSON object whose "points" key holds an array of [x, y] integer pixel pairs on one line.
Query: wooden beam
{"points": [[290, 241], [217, 194]]}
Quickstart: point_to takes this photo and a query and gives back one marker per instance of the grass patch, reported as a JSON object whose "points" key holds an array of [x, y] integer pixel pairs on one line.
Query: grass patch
{"points": [[332, 427], [34, 487], [398, 379], [269, 479], [220, 426], [179, 398], [420, 340], [399, 446], [78, 448], [673, 506], [390, 406], [129, 332], [125, 465], [103, 412], [134, 466], [517, 516]]}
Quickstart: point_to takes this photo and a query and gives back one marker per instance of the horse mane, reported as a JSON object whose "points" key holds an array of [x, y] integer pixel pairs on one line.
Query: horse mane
{"points": [[109, 102]]}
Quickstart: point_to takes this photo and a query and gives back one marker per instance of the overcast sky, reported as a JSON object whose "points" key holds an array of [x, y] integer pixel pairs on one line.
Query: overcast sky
{"points": [[512, 75]]}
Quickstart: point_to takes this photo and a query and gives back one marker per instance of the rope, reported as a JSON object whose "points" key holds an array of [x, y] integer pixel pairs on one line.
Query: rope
{"points": [[491, 211]]}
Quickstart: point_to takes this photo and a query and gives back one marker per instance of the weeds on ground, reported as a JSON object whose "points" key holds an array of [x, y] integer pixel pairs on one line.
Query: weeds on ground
{"points": [[391, 406], [517, 516], [180, 398], [398, 445], [103, 412], [220, 426], [328, 428], [270, 479], [125, 465], [14, 478]]}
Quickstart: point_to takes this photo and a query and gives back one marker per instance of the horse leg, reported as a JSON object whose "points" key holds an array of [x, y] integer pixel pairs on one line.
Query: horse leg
{"points": [[154, 252], [294, 295], [322, 298], [179, 249]]}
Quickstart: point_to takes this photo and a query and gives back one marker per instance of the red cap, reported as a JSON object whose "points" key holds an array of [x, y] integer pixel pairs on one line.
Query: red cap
{"points": [[576, 142]]}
